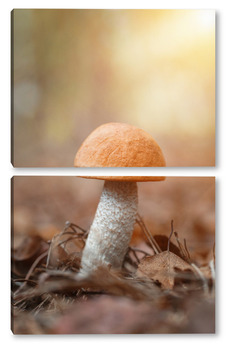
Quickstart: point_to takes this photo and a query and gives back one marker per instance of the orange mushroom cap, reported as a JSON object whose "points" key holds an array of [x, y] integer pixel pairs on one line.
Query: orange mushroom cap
{"points": [[120, 145]]}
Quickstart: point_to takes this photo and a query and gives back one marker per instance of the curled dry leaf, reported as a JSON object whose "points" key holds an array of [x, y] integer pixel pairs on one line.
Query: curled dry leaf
{"points": [[163, 268], [28, 247], [25, 251], [65, 249]]}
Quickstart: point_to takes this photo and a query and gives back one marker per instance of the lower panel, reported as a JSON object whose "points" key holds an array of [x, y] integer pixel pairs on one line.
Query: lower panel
{"points": [[125, 259]]}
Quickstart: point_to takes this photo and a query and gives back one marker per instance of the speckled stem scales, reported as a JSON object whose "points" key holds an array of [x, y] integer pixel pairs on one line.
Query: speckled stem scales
{"points": [[112, 228]]}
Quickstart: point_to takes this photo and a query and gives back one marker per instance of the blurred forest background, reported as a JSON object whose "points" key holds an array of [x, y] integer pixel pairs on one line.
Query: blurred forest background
{"points": [[73, 70], [42, 204]]}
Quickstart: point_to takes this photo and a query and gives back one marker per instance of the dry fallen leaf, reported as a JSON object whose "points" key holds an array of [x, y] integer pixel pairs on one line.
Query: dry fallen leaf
{"points": [[25, 251], [64, 249], [28, 247], [163, 268]]}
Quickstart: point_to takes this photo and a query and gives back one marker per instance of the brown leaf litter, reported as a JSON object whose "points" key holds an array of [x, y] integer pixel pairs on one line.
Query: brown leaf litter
{"points": [[164, 267], [160, 290]]}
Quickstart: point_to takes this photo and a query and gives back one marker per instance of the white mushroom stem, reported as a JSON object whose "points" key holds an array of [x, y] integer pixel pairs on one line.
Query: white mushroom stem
{"points": [[112, 228]]}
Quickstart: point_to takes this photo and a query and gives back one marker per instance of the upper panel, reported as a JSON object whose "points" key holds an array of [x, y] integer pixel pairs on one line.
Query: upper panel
{"points": [[76, 70]]}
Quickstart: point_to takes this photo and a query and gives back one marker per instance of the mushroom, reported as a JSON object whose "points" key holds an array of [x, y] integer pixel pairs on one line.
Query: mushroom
{"points": [[115, 145]]}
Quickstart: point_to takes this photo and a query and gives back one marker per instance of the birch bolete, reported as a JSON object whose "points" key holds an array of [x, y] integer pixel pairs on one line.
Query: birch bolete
{"points": [[115, 145]]}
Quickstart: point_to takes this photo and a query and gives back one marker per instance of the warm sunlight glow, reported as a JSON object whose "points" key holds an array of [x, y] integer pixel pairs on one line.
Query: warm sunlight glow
{"points": [[206, 19], [154, 69]]}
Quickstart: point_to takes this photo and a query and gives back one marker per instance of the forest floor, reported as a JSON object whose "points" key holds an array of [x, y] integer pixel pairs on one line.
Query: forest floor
{"points": [[160, 288]]}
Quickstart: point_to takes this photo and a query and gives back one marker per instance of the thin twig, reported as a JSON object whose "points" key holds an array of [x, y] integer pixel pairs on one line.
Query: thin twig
{"points": [[35, 263], [171, 233], [212, 268], [39, 306], [134, 253], [214, 252], [186, 249], [179, 244], [74, 225], [64, 241], [148, 234], [68, 225], [130, 261], [183, 250], [24, 280], [140, 251], [200, 274]]}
